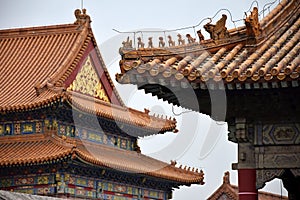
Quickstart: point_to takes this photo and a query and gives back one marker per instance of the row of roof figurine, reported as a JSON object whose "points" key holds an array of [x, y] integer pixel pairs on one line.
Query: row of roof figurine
{"points": [[216, 31], [162, 43]]}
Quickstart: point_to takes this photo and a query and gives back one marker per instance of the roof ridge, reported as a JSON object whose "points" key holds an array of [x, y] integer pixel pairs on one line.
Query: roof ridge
{"points": [[34, 29], [72, 58], [75, 53]]}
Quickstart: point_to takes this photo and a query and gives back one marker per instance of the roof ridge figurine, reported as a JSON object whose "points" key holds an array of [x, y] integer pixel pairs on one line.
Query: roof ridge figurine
{"points": [[253, 28], [217, 31], [82, 18]]}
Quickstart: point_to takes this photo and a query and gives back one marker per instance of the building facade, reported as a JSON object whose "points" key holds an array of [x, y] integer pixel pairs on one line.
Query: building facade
{"points": [[65, 131]]}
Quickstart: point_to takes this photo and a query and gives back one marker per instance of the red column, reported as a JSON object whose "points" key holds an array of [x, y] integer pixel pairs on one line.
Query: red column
{"points": [[247, 184]]}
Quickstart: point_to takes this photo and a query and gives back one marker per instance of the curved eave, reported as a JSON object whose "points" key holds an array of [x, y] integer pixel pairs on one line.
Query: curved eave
{"points": [[45, 99], [33, 149], [133, 162], [100, 108], [272, 61], [23, 150], [122, 114]]}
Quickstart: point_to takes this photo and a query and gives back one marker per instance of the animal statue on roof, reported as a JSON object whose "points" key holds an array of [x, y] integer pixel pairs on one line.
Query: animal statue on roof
{"points": [[161, 42], [140, 43], [190, 38], [226, 178], [150, 42], [81, 18], [170, 41], [217, 31], [180, 40], [252, 24], [173, 162], [201, 37], [127, 44]]}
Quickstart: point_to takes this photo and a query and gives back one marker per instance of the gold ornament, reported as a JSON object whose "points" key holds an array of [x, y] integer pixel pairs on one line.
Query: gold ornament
{"points": [[88, 82]]}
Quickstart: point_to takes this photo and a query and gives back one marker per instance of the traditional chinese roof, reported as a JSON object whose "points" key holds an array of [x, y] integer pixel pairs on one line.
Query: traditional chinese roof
{"points": [[35, 149], [229, 191], [261, 54], [122, 114], [42, 65]]}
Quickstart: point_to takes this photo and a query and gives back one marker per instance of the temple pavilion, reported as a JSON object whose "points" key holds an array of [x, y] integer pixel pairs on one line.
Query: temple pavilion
{"points": [[65, 131], [247, 76]]}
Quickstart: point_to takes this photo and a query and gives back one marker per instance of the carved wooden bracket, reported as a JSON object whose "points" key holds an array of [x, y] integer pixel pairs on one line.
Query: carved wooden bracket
{"points": [[263, 176]]}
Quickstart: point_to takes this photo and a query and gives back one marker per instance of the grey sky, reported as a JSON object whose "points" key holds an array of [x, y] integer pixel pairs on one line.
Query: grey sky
{"points": [[216, 154]]}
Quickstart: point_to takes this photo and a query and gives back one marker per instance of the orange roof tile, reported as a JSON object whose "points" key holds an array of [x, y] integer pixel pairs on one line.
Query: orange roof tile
{"points": [[31, 55], [123, 114], [274, 57], [34, 148], [39, 148], [35, 63]]}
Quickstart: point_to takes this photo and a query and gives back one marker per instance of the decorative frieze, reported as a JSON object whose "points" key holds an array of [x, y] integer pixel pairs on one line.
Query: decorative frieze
{"points": [[277, 157], [97, 136], [87, 82], [271, 149], [264, 134], [80, 186], [21, 127], [32, 184], [279, 134], [70, 130]]}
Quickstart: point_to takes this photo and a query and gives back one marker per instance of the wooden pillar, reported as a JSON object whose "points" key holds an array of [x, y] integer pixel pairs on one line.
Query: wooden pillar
{"points": [[247, 184], [244, 136]]}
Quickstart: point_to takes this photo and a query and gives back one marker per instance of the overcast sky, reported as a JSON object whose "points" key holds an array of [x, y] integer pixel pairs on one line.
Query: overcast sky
{"points": [[200, 142]]}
